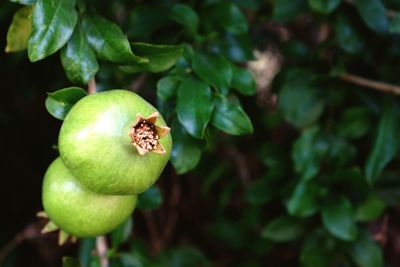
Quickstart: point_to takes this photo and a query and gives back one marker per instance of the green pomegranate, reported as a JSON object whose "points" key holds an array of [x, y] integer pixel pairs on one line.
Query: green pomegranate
{"points": [[115, 142], [78, 211]]}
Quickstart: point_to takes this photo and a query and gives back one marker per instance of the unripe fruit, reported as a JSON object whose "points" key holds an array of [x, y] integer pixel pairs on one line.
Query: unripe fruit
{"points": [[78, 211], [96, 146]]}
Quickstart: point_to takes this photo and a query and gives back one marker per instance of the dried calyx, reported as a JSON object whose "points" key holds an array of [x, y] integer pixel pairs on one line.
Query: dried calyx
{"points": [[145, 135]]}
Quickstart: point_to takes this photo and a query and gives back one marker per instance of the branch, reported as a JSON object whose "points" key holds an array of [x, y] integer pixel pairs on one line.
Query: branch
{"points": [[101, 247], [381, 86]]}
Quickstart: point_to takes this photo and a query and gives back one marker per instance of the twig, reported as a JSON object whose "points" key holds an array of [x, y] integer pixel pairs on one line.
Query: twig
{"points": [[101, 247], [381, 86], [92, 86]]}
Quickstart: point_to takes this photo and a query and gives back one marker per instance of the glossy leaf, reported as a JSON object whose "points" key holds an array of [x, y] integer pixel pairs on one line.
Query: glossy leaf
{"points": [[213, 69], [370, 209], [243, 81], [324, 6], [365, 252], [394, 26], [386, 142], [182, 256], [167, 87], [186, 16], [259, 192], [150, 199], [59, 103], [304, 200], [308, 152], [24, 2], [355, 122], [194, 106], [52, 25], [285, 10], [186, 151], [144, 20], [299, 101], [374, 14], [19, 30], [71, 262], [160, 57], [348, 37], [236, 47], [283, 229], [108, 41], [229, 17], [338, 219], [86, 246], [78, 58], [121, 234], [229, 116]]}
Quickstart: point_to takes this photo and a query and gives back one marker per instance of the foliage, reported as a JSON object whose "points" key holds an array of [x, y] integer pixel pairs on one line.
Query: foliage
{"points": [[293, 169]]}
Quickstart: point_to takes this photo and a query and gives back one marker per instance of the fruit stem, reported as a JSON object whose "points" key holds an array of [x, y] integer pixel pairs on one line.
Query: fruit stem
{"points": [[101, 247], [92, 86]]}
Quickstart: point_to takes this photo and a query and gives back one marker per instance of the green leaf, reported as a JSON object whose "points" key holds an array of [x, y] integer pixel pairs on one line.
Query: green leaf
{"points": [[324, 6], [285, 10], [24, 2], [235, 47], [259, 192], [374, 14], [78, 59], [186, 151], [150, 199], [160, 57], [184, 256], [365, 252], [283, 229], [194, 106], [348, 37], [144, 20], [355, 122], [243, 81], [304, 200], [308, 152], [59, 103], [370, 209], [108, 41], [299, 101], [229, 17], [338, 219], [19, 30], [213, 69], [394, 26], [52, 25], [186, 16], [229, 116], [122, 233], [86, 246], [386, 142], [70, 262], [167, 87]]}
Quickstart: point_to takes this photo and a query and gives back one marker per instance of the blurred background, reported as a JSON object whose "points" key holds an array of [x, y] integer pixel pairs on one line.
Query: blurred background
{"points": [[316, 183]]}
